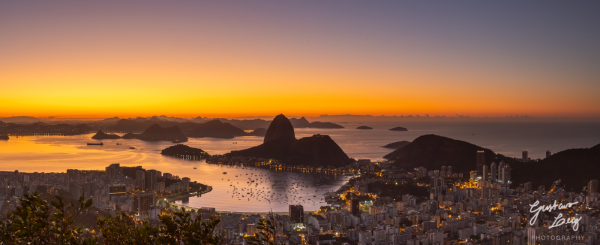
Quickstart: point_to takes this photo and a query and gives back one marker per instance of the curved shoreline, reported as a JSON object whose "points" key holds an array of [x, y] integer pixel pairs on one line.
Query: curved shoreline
{"points": [[180, 195]]}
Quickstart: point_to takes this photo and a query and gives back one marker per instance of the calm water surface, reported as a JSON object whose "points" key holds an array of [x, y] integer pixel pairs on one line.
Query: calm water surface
{"points": [[273, 190]]}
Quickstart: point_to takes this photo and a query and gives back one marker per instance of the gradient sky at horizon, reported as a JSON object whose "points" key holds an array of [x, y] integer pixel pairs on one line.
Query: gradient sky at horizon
{"points": [[244, 58]]}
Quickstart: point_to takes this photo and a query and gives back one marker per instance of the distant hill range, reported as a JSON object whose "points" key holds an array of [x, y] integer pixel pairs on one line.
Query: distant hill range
{"points": [[574, 167], [157, 133], [259, 132], [280, 143], [398, 129], [217, 128], [296, 123], [43, 128]]}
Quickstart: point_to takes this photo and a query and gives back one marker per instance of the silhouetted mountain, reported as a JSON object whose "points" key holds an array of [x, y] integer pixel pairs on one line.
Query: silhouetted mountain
{"points": [[43, 128], [397, 145], [280, 128], [364, 127], [101, 135], [260, 123], [259, 132], [185, 151], [318, 150], [156, 132], [130, 136], [574, 167], [280, 143], [246, 124], [215, 129], [398, 129], [3, 137], [108, 121], [20, 119], [433, 152], [299, 123], [324, 125], [2, 124]]}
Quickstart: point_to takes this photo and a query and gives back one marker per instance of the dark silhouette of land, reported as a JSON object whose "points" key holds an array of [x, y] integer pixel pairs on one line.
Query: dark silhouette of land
{"points": [[101, 135], [156, 132], [433, 152], [398, 129], [215, 129], [4, 137], [364, 127], [43, 128], [185, 151], [259, 132], [280, 143], [574, 167], [397, 145]]}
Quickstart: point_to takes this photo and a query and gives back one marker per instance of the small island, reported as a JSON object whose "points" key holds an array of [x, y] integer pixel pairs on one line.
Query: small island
{"points": [[398, 129], [185, 151], [364, 127], [101, 136], [397, 145], [3, 137]]}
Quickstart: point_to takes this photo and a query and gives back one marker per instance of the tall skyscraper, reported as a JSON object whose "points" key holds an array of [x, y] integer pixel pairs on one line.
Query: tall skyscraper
{"points": [[72, 174], [493, 171], [500, 172], [142, 201], [484, 175], [506, 175], [296, 213], [150, 179], [548, 154], [355, 206], [114, 171], [140, 180], [592, 186], [525, 155], [480, 160]]}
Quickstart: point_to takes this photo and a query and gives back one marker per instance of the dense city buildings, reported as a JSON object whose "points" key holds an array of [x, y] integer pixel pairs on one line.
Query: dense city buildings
{"points": [[439, 206], [296, 214], [480, 161]]}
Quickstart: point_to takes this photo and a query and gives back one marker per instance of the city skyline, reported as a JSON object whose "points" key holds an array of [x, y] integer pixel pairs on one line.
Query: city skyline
{"points": [[105, 59]]}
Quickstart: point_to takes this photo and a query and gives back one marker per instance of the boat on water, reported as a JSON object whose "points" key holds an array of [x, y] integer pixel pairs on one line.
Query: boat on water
{"points": [[224, 172], [133, 148], [118, 143], [95, 143], [195, 168]]}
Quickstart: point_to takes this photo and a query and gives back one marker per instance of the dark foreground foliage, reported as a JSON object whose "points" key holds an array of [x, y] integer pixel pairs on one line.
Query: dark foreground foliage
{"points": [[36, 221]]}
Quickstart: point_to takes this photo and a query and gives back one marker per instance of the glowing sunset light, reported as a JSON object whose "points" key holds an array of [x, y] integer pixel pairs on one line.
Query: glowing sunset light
{"points": [[224, 59]]}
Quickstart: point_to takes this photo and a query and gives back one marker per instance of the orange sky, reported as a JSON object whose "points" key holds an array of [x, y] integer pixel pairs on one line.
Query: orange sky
{"points": [[114, 59]]}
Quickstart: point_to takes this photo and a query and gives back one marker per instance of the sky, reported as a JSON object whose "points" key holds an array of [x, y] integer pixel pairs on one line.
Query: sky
{"points": [[250, 58]]}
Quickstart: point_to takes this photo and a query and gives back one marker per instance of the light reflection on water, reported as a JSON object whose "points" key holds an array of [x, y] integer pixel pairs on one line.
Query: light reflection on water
{"points": [[58, 153]]}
